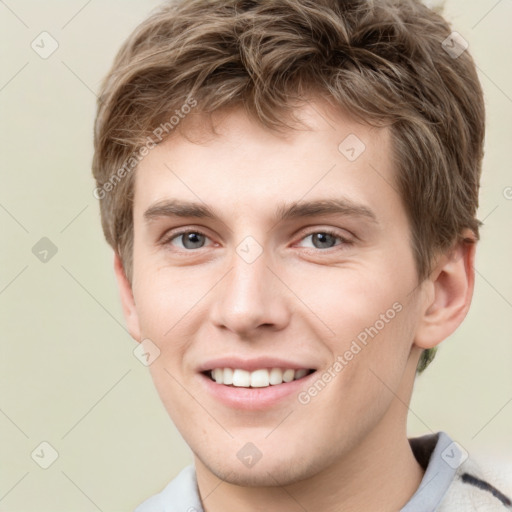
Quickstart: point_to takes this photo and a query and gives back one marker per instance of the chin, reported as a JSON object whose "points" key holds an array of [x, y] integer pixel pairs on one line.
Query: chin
{"points": [[265, 473]]}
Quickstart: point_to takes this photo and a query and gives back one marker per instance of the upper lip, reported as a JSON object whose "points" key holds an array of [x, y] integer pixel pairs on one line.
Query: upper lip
{"points": [[253, 364]]}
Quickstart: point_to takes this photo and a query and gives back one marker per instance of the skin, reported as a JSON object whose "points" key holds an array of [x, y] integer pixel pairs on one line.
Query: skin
{"points": [[346, 449]]}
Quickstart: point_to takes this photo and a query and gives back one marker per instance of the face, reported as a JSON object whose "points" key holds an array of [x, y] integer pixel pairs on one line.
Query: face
{"points": [[280, 266]]}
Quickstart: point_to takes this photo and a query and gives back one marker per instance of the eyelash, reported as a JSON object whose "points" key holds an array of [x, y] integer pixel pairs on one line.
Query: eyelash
{"points": [[344, 241]]}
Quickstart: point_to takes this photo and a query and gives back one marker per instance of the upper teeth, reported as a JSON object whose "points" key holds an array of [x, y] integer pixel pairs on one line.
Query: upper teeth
{"points": [[256, 379]]}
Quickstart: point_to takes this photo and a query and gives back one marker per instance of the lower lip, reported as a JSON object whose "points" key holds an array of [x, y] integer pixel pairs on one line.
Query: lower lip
{"points": [[253, 398]]}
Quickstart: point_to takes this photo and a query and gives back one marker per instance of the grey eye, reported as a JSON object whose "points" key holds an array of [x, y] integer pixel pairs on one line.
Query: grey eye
{"points": [[191, 239], [323, 240]]}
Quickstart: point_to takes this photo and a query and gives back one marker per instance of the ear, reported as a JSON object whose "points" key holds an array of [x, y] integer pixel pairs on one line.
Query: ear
{"points": [[450, 287], [127, 300]]}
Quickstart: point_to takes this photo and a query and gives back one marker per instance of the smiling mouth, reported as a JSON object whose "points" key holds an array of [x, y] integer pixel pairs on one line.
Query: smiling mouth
{"points": [[262, 378]]}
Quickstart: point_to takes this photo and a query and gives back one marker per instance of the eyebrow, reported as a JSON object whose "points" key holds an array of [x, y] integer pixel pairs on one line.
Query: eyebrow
{"points": [[284, 211]]}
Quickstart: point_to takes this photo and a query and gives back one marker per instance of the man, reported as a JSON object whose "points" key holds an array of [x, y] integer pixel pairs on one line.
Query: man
{"points": [[290, 188]]}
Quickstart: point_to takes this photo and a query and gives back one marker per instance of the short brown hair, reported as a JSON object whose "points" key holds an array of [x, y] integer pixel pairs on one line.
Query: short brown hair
{"points": [[387, 62]]}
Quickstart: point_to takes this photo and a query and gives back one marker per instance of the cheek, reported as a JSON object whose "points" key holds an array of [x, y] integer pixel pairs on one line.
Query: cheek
{"points": [[164, 299], [349, 300], [380, 352], [371, 369], [371, 318]]}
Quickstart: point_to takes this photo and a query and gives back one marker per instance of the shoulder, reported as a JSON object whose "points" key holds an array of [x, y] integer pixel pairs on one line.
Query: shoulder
{"points": [[479, 485]]}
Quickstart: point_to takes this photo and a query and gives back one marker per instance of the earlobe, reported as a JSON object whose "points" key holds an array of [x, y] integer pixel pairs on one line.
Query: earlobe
{"points": [[127, 300], [452, 285]]}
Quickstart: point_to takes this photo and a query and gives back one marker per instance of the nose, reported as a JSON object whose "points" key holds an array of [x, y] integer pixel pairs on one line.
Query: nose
{"points": [[251, 297]]}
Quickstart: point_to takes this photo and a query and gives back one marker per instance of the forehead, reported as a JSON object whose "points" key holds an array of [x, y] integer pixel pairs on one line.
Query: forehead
{"points": [[246, 167]]}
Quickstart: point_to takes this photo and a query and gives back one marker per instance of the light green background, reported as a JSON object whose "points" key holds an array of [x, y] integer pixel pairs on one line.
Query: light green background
{"points": [[68, 375]]}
